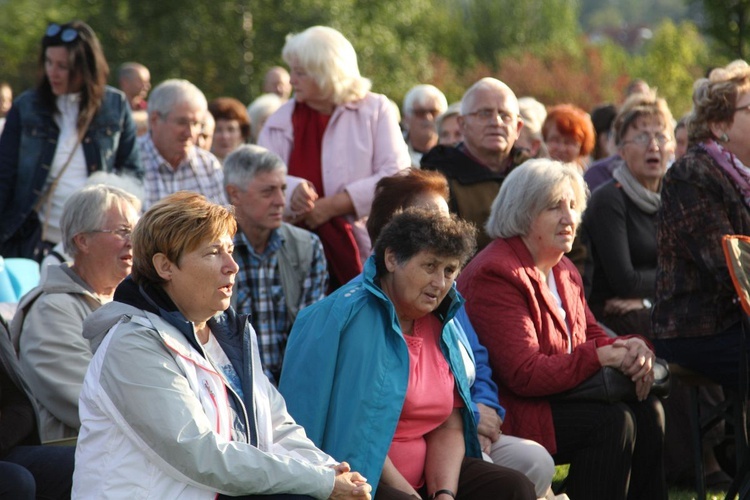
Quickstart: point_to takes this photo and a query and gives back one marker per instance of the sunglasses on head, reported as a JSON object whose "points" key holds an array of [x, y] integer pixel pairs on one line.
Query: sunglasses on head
{"points": [[66, 35]]}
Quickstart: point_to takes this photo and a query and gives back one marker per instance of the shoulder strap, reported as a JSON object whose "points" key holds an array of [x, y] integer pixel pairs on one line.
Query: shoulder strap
{"points": [[47, 196]]}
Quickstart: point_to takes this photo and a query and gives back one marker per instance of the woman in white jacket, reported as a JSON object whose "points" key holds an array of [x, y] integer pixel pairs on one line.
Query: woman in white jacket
{"points": [[175, 403]]}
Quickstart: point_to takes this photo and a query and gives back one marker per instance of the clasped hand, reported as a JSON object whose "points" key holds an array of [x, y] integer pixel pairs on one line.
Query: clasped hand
{"points": [[308, 207], [633, 358], [637, 362], [349, 485]]}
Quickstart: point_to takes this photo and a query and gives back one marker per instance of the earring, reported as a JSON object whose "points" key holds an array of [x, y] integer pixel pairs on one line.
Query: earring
{"points": [[724, 137]]}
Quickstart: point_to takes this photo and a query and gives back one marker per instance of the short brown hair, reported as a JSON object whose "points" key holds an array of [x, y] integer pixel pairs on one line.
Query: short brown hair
{"points": [[574, 122], [398, 192], [229, 108], [417, 229], [715, 97], [175, 225]]}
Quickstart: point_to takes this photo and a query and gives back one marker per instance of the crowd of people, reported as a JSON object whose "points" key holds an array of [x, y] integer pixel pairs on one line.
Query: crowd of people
{"points": [[326, 295]]}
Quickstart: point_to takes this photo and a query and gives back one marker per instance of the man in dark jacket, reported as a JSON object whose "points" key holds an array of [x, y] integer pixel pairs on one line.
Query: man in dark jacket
{"points": [[490, 123]]}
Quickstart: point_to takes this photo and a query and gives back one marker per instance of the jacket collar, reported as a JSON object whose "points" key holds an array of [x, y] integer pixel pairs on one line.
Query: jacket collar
{"points": [[563, 281]]}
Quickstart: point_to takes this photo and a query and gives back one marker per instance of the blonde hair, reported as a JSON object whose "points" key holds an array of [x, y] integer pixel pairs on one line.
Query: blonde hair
{"points": [[529, 189], [329, 58], [715, 99], [177, 224]]}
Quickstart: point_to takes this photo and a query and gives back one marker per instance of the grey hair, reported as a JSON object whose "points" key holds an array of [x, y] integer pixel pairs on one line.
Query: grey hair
{"points": [[260, 109], [244, 163], [533, 114], [527, 191], [453, 110], [165, 96], [487, 83], [86, 210], [420, 94]]}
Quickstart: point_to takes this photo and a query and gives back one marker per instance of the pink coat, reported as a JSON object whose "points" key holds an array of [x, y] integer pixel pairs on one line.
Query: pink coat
{"points": [[361, 144], [518, 321]]}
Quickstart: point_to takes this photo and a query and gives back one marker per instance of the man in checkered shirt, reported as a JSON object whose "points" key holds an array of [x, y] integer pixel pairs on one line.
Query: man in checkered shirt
{"points": [[171, 160], [282, 267]]}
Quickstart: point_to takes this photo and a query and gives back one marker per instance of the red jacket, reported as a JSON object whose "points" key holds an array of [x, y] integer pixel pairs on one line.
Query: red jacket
{"points": [[517, 319]]}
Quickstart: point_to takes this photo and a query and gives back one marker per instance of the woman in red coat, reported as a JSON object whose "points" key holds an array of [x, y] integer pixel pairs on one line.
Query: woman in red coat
{"points": [[526, 302]]}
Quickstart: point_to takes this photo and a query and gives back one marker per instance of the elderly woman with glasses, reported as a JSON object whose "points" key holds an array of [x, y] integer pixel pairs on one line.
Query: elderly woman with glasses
{"points": [[71, 125], [48, 326], [338, 139], [697, 319], [620, 223]]}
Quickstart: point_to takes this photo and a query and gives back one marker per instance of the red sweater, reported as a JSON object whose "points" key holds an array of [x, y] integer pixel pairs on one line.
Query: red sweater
{"points": [[517, 319]]}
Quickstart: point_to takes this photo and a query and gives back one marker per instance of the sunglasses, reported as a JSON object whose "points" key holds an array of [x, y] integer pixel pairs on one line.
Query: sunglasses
{"points": [[66, 35]]}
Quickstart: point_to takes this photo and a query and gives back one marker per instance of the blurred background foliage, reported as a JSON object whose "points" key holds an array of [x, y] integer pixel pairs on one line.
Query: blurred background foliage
{"points": [[579, 51]]}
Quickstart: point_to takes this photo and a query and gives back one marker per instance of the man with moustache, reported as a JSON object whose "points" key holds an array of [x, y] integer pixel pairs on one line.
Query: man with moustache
{"points": [[282, 267], [171, 160], [490, 123]]}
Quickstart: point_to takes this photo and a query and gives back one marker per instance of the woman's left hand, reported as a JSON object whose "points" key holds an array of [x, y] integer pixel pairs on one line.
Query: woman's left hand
{"points": [[638, 360], [319, 215], [349, 484]]}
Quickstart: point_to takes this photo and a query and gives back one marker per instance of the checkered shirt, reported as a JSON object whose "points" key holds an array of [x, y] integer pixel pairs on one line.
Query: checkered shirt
{"points": [[200, 172]]}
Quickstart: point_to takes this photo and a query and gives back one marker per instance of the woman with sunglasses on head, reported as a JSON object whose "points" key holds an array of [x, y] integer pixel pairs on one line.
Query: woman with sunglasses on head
{"points": [[56, 135]]}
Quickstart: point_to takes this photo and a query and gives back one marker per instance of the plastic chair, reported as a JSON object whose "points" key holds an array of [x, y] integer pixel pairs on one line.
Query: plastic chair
{"points": [[17, 277]]}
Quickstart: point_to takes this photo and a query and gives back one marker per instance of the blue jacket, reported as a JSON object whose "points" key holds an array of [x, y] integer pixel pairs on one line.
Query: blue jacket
{"points": [[346, 370], [484, 389], [29, 140]]}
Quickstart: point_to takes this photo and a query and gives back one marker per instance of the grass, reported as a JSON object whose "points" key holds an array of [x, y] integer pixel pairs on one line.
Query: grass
{"points": [[561, 472]]}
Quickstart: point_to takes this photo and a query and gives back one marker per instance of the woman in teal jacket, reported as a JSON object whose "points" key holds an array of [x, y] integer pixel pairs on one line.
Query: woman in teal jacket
{"points": [[351, 375]]}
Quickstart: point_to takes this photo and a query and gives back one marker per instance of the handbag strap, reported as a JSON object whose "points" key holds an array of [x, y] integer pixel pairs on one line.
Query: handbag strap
{"points": [[47, 196]]}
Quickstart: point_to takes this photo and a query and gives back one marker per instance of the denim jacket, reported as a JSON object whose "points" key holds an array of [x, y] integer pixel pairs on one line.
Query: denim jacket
{"points": [[29, 140]]}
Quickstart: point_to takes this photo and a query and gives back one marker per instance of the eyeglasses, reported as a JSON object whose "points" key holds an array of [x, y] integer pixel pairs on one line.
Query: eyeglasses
{"points": [[124, 233], [644, 139], [66, 35], [487, 114], [181, 122], [746, 107], [422, 113]]}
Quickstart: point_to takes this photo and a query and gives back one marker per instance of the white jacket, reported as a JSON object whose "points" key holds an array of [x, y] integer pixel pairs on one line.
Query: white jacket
{"points": [[155, 425]]}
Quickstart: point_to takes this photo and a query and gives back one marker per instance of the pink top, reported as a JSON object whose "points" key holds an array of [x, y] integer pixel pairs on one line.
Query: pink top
{"points": [[430, 399]]}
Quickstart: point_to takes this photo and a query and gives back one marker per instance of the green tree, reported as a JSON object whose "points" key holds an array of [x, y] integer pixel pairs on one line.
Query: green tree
{"points": [[672, 61], [728, 23]]}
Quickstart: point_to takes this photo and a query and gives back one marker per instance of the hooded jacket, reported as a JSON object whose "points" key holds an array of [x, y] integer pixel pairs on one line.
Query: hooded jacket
{"points": [[47, 333], [155, 419]]}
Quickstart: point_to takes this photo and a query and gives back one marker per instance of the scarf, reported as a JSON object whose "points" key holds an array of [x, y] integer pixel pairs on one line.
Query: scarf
{"points": [[645, 200], [737, 172]]}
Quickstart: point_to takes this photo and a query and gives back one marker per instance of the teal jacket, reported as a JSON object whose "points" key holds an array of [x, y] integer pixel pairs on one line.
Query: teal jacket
{"points": [[346, 370]]}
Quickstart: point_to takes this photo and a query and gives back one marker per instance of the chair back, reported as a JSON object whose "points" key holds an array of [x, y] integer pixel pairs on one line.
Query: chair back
{"points": [[17, 277]]}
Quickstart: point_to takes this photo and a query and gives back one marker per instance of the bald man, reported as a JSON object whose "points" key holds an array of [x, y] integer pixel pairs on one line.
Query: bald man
{"points": [[135, 81], [490, 123]]}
